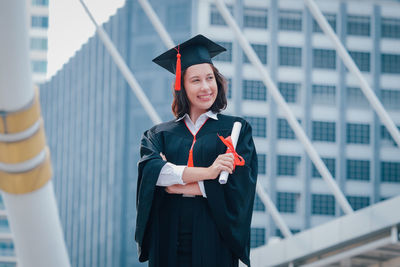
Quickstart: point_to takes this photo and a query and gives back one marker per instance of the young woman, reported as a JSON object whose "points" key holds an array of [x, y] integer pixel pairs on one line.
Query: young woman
{"points": [[185, 217]]}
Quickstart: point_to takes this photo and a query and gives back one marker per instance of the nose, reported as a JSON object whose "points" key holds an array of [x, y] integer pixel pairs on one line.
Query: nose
{"points": [[204, 85]]}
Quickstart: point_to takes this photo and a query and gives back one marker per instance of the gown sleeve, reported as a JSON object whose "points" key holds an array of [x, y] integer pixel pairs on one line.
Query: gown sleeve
{"points": [[231, 204], [149, 167]]}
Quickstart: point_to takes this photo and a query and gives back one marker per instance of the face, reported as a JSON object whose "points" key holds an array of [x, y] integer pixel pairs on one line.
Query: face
{"points": [[201, 87]]}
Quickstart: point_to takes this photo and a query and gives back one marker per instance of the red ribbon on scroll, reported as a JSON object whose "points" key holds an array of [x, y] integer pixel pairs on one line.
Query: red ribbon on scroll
{"points": [[238, 160]]}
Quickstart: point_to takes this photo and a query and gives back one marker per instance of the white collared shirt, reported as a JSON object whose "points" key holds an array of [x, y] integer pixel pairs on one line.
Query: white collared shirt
{"points": [[172, 174]]}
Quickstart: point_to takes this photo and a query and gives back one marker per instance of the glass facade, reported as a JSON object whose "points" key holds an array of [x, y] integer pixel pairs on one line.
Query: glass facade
{"points": [[288, 165], [322, 204], [290, 56], [262, 163], [258, 124], [323, 94], [257, 237], [287, 201], [358, 202], [254, 90], [324, 131], [40, 22], [289, 91], [358, 169], [357, 133], [358, 25], [331, 18], [261, 52], [362, 60], [330, 163], [390, 28], [390, 63], [324, 59], [255, 18], [390, 171], [290, 20]]}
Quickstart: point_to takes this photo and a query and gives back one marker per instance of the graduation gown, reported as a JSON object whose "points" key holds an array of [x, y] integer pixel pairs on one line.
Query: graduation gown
{"points": [[221, 224]]}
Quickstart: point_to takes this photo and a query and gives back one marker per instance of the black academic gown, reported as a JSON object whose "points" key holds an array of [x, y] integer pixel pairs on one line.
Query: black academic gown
{"points": [[221, 225]]}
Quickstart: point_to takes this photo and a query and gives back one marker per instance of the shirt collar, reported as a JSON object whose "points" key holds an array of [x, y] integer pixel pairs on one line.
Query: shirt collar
{"points": [[210, 114]]}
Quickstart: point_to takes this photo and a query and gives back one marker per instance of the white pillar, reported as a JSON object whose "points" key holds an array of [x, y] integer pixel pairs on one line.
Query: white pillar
{"points": [[33, 217]]}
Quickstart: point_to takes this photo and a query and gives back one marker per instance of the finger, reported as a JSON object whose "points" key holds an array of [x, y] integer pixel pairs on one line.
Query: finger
{"points": [[163, 156]]}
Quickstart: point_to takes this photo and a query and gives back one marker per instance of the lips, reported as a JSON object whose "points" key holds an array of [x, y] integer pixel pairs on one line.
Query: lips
{"points": [[205, 97]]}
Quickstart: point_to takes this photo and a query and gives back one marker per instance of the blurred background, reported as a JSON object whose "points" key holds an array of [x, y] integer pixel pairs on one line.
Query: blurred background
{"points": [[94, 122]]}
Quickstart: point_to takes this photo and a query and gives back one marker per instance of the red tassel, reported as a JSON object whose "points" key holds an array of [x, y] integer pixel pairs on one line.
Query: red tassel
{"points": [[178, 71]]}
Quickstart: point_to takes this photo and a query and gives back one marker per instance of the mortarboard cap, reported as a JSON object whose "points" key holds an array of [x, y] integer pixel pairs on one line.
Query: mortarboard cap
{"points": [[196, 50]]}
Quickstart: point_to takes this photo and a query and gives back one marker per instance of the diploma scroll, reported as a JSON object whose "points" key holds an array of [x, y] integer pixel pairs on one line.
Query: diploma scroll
{"points": [[223, 177]]}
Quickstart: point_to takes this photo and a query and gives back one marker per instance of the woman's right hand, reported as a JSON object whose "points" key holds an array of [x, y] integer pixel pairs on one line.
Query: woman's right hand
{"points": [[224, 162]]}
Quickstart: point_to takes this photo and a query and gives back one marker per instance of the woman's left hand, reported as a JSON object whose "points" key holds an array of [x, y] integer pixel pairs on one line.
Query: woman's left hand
{"points": [[187, 189]]}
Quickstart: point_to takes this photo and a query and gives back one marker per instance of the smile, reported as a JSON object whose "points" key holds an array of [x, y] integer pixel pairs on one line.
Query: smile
{"points": [[205, 97]]}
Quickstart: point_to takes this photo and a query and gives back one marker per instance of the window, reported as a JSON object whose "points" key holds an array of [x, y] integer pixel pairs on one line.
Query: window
{"points": [[331, 18], [259, 125], [254, 90], [362, 60], [290, 56], [323, 204], [4, 228], [290, 20], [216, 18], [390, 63], [2, 207], [229, 88], [289, 91], [324, 58], [257, 237], [40, 2], [330, 164], [358, 25], [356, 98], [262, 163], [6, 248], [287, 165], [40, 22], [261, 51], [390, 171], [358, 202], [39, 43], [39, 66], [357, 133], [286, 202], [357, 169], [177, 16], [258, 204], [324, 94], [284, 130], [227, 55], [390, 99], [323, 131], [386, 137], [390, 28], [255, 17], [279, 233]]}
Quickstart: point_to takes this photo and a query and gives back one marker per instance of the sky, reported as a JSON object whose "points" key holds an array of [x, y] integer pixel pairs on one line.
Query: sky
{"points": [[70, 27]]}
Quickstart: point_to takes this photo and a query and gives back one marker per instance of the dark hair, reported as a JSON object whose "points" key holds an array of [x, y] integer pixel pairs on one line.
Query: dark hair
{"points": [[181, 104]]}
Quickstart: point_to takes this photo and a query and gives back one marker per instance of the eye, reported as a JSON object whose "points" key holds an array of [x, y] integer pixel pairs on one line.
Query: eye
{"points": [[210, 77]]}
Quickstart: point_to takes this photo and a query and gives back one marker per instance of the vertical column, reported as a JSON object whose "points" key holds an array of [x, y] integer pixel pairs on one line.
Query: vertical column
{"points": [[237, 58], [306, 98], [376, 125], [271, 120], [25, 168], [341, 106]]}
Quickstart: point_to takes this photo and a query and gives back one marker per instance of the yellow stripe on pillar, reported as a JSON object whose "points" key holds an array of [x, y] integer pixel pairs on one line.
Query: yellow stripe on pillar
{"points": [[20, 151], [29, 181], [19, 121]]}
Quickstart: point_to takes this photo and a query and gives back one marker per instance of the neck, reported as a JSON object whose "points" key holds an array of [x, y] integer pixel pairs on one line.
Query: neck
{"points": [[195, 114]]}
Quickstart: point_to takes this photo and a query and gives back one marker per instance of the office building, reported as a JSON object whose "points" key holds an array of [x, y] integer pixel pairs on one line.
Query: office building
{"points": [[94, 122]]}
